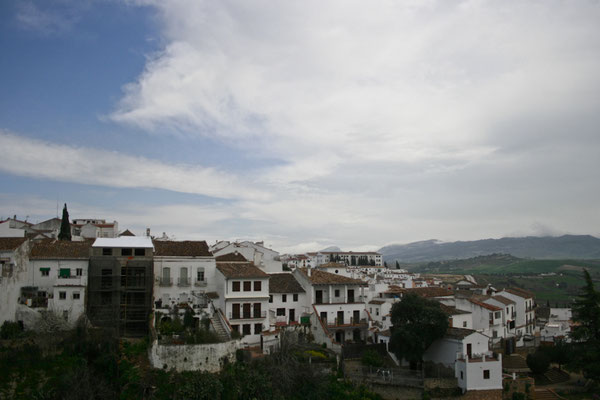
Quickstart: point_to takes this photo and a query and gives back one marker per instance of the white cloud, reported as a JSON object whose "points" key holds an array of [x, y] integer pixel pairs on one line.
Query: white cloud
{"points": [[38, 159]]}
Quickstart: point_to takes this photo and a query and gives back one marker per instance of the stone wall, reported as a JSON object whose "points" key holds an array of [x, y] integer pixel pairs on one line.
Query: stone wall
{"points": [[194, 357]]}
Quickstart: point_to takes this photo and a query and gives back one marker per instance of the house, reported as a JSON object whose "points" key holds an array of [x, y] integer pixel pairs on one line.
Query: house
{"points": [[487, 318], [14, 262], [335, 268], [120, 284], [458, 318], [94, 228], [287, 300], [184, 271], [264, 258], [508, 314], [524, 312], [339, 313], [243, 298], [8, 228], [467, 352], [58, 277]]}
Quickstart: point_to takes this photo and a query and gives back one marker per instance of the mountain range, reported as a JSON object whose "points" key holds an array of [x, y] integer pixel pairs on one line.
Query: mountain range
{"points": [[548, 247]]}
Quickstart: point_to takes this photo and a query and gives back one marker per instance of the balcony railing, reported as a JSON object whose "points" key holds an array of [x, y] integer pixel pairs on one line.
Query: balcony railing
{"points": [[344, 322], [183, 281], [252, 315], [165, 281], [200, 282]]}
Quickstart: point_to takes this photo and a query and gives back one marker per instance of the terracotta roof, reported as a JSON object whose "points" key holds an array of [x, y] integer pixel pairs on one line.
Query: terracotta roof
{"points": [[284, 283], [430, 291], [459, 333], [212, 295], [239, 270], [452, 310], [515, 362], [9, 244], [186, 248], [318, 277], [485, 305], [231, 257], [332, 265], [46, 249], [127, 232], [520, 292], [503, 300], [379, 302], [386, 333]]}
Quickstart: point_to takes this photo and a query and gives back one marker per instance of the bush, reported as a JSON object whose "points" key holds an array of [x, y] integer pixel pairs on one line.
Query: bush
{"points": [[371, 358], [10, 330], [538, 362]]}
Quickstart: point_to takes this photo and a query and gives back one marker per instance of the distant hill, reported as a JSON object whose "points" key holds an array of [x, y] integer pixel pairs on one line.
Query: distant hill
{"points": [[331, 248], [563, 247]]}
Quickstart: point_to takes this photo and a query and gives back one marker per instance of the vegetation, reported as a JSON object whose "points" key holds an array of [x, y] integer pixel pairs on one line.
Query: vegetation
{"points": [[538, 362], [94, 364], [177, 331], [372, 358], [65, 225], [417, 323], [10, 330]]}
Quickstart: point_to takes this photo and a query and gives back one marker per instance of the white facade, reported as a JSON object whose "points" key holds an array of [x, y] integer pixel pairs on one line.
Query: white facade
{"points": [[486, 318], [525, 314], [8, 229], [449, 348], [14, 263], [264, 258], [483, 373], [287, 308]]}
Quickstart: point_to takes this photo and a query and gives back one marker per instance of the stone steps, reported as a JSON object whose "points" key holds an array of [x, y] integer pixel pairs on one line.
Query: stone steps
{"points": [[219, 328], [545, 394]]}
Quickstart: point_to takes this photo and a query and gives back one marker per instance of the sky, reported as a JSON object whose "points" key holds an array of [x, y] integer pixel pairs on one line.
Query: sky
{"points": [[306, 123]]}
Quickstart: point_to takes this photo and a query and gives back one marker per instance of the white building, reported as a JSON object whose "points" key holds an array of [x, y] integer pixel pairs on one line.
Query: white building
{"points": [[525, 311], [487, 318], [264, 258], [287, 300], [8, 229], [349, 258], [95, 228], [57, 278], [184, 271], [243, 299], [14, 262]]}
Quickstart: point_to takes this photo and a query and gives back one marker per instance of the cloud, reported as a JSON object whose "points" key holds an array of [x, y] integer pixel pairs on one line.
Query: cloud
{"points": [[59, 18], [43, 160]]}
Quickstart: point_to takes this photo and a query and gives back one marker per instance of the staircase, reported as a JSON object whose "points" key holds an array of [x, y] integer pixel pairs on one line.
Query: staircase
{"points": [[555, 375], [546, 394], [217, 325]]}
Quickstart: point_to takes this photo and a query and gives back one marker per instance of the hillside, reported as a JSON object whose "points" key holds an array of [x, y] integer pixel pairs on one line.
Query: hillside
{"points": [[577, 247]]}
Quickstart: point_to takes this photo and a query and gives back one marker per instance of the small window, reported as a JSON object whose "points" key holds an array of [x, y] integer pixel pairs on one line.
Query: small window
{"points": [[337, 293], [79, 271], [235, 286], [45, 271], [270, 298], [486, 374], [140, 252], [280, 312], [295, 296], [257, 329], [257, 286], [75, 295], [461, 375], [62, 295], [235, 328], [464, 324], [106, 251], [497, 315], [64, 273], [200, 275], [246, 329], [284, 298], [247, 286], [126, 252]]}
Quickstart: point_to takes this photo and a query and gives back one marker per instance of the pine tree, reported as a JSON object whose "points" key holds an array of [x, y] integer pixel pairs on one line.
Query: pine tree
{"points": [[65, 226], [397, 265]]}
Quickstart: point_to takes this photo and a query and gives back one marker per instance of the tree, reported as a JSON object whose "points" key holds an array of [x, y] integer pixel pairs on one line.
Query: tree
{"points": [[397, 265], [586, 332], [65, 226], [417, 323], [538, 362], [385, 264]]}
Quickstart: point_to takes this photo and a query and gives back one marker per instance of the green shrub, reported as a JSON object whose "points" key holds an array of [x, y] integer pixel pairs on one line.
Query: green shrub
{"points": [[371, 358], [10, 330]]}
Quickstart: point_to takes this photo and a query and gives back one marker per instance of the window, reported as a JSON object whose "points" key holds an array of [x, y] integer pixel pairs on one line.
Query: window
{"points": [[45, 271], [486, 374], [461, 375], [337, 293], [257, 329], [257, 286], [200, 275], [64, 273], [107, 251], [284, 298], [497, 315], [140, 252], [235, 286], [246, 329], [62, 295], [464, 324], [377, 311], [270, 298], [75, 295], [79, 271], [280, 312], [235, 328], [126, 252], [247, 286], [295, 296]]}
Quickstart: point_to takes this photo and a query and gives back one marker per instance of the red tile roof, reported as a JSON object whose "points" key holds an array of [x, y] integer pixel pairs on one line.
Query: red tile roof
{"points": [[485, 305], [231, 257], [318, 277], [60, 249], [240, 270], [284, 283], [520, 292], [429, 291], [9, 244], [186, 248]]}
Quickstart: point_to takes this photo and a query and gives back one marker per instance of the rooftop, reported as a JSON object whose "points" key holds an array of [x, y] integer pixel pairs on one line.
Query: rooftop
{"points": [[186, 248], [485, 305], [125, 241], [231, 257], [520, 292], [459, 333], [239, 270], [284, 283], [429, 291], [60, 249], [503, 300], [9, 244], [452, 310], [325, 278]]}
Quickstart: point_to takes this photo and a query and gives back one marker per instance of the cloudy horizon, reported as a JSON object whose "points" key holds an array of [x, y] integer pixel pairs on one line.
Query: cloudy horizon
{"points": [[304, 124]]}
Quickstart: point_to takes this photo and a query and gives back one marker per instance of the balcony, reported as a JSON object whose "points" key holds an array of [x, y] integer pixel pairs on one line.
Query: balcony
{"points": [[165, 281], [353, 322], [200, 282], [183, 281], [262, 314]]}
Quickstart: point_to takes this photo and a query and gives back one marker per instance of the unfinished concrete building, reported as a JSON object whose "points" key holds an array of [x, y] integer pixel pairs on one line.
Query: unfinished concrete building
{"points": [[120, 284]]}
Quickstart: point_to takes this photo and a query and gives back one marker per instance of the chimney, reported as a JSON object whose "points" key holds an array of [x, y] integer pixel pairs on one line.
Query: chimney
{"points": [[148, 232]]}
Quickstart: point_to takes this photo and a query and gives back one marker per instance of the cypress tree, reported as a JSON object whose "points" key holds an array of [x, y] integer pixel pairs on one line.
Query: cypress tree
{"points": [[65, 226]]}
